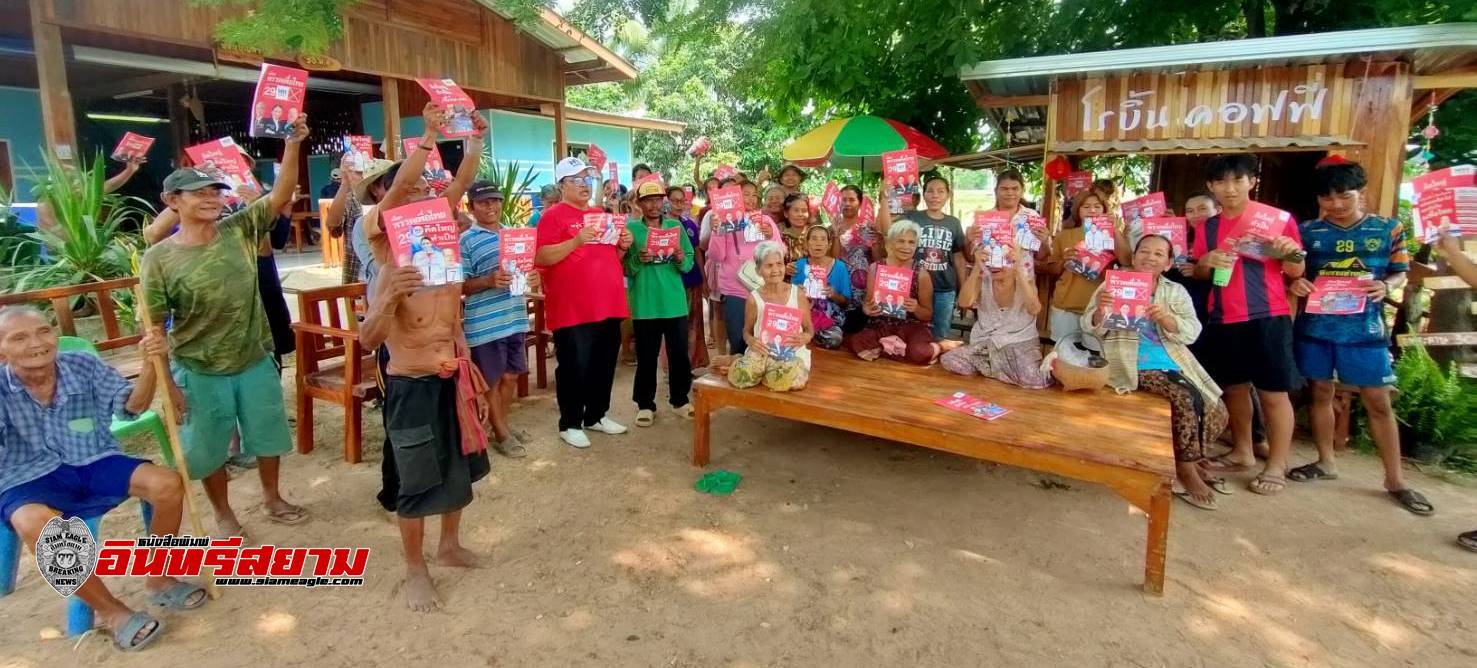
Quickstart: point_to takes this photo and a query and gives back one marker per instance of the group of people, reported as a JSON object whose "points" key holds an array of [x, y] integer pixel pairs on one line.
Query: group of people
{"points": [[883, 286]]}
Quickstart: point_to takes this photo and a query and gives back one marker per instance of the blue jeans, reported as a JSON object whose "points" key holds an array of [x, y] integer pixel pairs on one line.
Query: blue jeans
{"points": [[733, 323], [943, 313]]}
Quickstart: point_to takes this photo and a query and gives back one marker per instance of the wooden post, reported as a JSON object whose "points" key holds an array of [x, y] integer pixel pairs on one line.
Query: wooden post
{"points": [[179, 121], [561, 145], [390, 99], [58, 118]]}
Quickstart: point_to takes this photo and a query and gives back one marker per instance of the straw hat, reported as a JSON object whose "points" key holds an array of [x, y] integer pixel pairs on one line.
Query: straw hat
{"points": [[372, 174]]}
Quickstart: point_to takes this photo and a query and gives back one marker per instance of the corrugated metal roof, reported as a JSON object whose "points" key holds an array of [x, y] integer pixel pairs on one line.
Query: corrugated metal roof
{"points": [[1429, 49], [994, 159], [585, 59], [1191, 145]]}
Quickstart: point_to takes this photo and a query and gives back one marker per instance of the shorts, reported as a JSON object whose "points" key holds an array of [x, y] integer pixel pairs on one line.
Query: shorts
{"points": [[1353, 365], [1258, 352], [216, 406], [420, 420], [502, 357], [85, 491]]}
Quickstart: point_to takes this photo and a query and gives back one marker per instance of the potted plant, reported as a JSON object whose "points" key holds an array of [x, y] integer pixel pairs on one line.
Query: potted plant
{"points": [[512, 179], [1435, 407]]}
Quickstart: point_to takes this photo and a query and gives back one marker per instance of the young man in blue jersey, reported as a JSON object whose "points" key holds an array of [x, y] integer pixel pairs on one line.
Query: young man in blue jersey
{"points": [[495, 320], [1351, 348]]}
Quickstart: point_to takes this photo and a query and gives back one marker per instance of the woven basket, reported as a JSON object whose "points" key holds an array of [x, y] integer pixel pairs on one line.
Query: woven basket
{"points": [[1073, 377]]}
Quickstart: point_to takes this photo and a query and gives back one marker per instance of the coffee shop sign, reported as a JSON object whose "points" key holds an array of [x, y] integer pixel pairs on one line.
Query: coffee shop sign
{"points": [[1307, 100]]}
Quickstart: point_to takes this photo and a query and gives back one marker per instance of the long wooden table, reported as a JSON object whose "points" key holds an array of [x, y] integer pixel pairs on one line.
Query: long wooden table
{"points": [[1121, 441]]}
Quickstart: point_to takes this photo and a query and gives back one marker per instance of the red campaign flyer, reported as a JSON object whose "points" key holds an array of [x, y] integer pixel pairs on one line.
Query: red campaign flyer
{"points": [[132, 147], [1151, 205], [1260, 224], [972, 406], [900, 174], [424, 235], [1172, 228], [756, 223], [1098, 233], [361, 150], [278, 100], [831, 201], [724, 171], [997, 233], [1337, 295], [1078, 182], [728, 209], [223, 159], [1455, 176], [434, 166], [893, 288], [1132, 291], [1452, 209], [780, 322], [596, 156], [664, 242], [611, 226], [458, 105], [815, 280], [868, 213], [516, 246], [613, 177]]}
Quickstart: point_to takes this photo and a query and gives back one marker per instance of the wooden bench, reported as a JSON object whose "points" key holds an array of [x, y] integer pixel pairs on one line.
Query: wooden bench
{"points": [[1121, 441], [116, 348], [331, 365]]}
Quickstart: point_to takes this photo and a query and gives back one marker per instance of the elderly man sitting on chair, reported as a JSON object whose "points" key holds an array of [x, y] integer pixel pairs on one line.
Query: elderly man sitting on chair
{"points": [[58, 458]]}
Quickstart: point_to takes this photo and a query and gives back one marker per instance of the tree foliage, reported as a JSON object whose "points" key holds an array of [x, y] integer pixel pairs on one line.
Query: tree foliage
{"points": [[281, 26]]}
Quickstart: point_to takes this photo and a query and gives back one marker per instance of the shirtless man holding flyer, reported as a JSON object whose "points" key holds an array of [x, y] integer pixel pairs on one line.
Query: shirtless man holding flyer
{"points": [[434, 406]]}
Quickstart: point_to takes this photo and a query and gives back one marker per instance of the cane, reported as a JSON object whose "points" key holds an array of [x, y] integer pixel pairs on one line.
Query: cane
{"points": [[171, 426]]}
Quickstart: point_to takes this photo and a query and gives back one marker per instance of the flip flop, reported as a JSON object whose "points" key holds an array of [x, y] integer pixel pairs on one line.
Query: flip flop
{"points": [[1414, 501], [1221, 486], [512, 450], [1273, 483], [1223, 464], [178, 596], [126, 637], [289, 516], [1190, 499], [1468, 540], [1311, 472]]}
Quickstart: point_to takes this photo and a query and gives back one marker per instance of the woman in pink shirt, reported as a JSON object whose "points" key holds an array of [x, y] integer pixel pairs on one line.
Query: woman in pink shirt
{"points": [[726, 255]]}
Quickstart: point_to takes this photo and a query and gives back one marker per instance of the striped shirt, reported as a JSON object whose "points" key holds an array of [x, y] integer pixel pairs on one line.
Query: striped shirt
{"points": [[1257, 289], [73, 429], [493, 313]]}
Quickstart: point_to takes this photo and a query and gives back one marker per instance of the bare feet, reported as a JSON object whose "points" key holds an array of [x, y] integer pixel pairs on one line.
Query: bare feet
{"points": [[458, 557], [420, 591], [228, 525]]}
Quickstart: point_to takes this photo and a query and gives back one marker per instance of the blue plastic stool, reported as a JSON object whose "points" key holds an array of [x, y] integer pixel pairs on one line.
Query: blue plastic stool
{"points": [[80, 618]]}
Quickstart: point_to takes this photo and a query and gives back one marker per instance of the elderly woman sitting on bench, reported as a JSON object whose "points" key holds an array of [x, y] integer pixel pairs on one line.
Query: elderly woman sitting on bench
{"points": [[899, 304], [59, 459], [780, 361]]}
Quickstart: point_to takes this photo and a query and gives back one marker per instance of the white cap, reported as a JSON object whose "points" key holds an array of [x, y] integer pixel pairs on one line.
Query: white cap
{"points": [[569, 167]]}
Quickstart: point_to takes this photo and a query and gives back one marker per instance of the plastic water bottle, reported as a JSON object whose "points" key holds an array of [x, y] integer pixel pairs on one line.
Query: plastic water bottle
{"points": [[1222, 277]]}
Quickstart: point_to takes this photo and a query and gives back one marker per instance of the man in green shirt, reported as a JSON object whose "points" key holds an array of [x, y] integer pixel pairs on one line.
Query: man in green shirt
{"points": [[658, 304], [224, 377]]}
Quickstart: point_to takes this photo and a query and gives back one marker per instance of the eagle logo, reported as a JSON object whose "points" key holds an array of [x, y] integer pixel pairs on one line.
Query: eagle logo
{"points": [[66, 554]]}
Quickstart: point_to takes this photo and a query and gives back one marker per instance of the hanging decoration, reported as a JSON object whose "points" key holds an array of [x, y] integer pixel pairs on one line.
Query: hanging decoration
{"points": [[1430, 132], [1058, 168]]}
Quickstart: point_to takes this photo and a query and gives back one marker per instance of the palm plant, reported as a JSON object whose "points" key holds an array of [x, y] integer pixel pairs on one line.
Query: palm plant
{"points": [[14, 251], [88, 239], [512, 179]]}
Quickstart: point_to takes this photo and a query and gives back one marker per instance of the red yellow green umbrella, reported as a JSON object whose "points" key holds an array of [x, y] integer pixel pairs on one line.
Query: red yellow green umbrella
{"points": [[858, 143]]}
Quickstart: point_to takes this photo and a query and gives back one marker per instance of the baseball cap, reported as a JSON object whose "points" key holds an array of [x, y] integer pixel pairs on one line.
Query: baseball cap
{"points": [[569, 167], [484, 190], [189, 178], [650, 189]]}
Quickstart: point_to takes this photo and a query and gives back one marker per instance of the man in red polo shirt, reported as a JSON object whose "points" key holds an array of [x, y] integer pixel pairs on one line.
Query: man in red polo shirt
{"points": [[1247, 340], [584, 304]]}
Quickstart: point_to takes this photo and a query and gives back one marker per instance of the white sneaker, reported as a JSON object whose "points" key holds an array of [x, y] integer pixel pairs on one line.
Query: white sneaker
{"points": [[575, 437], [608, 426], [645, 418]]}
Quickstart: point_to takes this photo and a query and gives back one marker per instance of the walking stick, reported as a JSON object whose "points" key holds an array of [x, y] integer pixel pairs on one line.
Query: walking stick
{"points": [[171, 427]]}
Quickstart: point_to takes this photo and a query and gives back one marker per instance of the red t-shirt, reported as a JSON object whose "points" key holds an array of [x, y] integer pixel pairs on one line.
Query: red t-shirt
{"points": [[588, 285], [1257, 289]]}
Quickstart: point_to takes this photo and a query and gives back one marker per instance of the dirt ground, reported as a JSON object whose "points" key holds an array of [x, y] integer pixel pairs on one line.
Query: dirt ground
{"points": [[836, 550]]}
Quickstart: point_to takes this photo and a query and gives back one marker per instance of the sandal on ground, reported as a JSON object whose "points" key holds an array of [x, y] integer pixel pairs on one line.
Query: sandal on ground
{"points": [[1413, 501], [179, 596], [510, 448], [1220, 486], [685, 410], [290, 515], [126, 637], [1468, 540], [645, 418], [1267, 484], [1190, 499], [1223, 464], [1311, 472]]}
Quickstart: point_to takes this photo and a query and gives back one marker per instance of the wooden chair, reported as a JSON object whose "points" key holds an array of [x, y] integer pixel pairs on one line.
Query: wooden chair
{"points": [[333, 245], [538, 340], [117, 349], [331, 365]]}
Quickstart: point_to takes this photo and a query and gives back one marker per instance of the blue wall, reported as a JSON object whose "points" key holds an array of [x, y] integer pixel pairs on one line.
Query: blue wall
{"points": [[20, 124]]}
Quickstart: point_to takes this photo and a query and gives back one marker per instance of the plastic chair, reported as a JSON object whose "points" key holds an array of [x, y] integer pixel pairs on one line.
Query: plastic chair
{"points": [[80, 617], [148, 421]]}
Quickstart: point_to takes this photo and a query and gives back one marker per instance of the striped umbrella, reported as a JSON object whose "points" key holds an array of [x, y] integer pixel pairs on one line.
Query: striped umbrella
{"points": [[858, 143]]}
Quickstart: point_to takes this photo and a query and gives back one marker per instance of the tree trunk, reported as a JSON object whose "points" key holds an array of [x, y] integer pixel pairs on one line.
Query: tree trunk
{"points": [[1256, 17]]}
